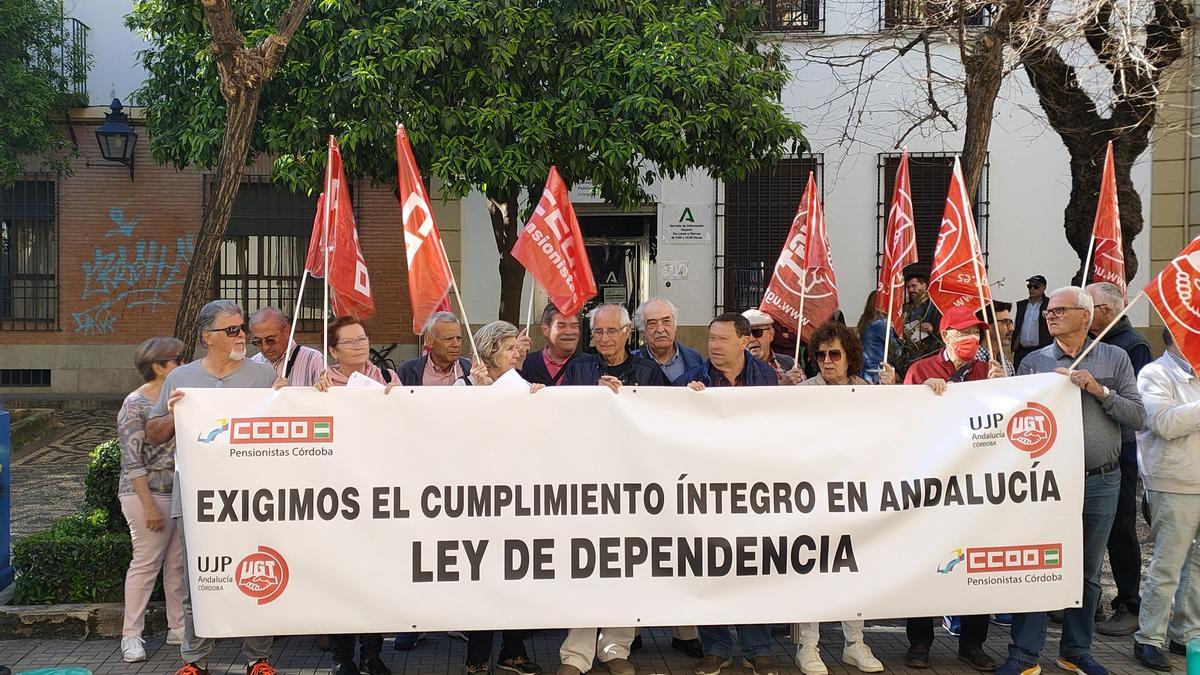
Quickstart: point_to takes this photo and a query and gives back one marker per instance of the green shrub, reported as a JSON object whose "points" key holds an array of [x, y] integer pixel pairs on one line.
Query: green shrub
{"points": [[100, 485], [77, 560]]}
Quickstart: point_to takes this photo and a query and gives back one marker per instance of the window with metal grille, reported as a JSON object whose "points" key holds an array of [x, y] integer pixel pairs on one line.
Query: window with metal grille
{"points": [[29, 255], [929, 173], [753, 222], [262, 255], [786, 16], [24, 377], [920, 13]]}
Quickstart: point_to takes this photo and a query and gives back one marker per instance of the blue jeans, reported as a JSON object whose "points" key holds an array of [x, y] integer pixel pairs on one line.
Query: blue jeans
{"points": [[1174, 570], [755, 639], [1100, 493]]}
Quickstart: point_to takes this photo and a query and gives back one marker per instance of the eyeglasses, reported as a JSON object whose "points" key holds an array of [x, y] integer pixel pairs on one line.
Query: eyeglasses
{"points": [[231, 331], [268, 341], [1033, 286], [1058, 312], [1103, 305], [359, 341], [829, 355], [758, 332], [177, 360], [608, 332]]}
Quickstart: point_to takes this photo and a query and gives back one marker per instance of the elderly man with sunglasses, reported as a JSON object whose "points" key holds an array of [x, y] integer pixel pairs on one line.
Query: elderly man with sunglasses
{"points": [[762, 333], [270, 334], [222, 333], [1110, 400]]}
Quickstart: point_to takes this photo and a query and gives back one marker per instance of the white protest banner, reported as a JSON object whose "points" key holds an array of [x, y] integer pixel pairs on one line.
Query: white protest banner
{"points": [[355, 511]]}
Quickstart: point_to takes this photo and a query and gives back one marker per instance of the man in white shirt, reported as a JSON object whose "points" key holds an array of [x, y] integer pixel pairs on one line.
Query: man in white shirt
{"points": [[1169, 462], [1030, 330]]}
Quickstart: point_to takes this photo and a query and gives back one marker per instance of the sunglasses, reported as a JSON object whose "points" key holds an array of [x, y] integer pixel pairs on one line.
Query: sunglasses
{"points": [[231, 331], [177, 360], [758, 332], [830, 355], [1032, 286], [268, 341]]}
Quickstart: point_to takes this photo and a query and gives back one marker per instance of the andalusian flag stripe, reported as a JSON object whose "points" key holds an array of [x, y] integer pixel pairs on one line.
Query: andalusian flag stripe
{"points": [[1051, 556], [321, 430]]}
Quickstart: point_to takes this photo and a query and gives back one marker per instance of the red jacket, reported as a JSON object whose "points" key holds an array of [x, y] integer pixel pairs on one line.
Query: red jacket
{"points": [[936, 366]]}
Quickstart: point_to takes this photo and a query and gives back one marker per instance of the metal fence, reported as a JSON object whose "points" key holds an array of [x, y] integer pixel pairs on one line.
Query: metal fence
{"points": [[29, 254], [920, 13], [787, 16]]}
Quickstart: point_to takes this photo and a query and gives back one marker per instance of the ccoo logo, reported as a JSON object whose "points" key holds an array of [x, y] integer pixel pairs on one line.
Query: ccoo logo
{"points": [[262, 575], [1033, 429]]}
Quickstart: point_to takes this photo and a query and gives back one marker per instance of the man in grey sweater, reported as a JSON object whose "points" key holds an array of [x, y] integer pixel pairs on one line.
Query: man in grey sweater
{"points": [[1110, 398]]}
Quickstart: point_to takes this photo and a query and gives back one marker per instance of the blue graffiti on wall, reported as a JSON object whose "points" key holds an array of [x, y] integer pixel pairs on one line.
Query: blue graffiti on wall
{"points": [[122, 277]]}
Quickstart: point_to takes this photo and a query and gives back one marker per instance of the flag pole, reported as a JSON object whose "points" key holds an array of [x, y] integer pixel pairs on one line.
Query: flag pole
{"points": [[461, 307], [1107, 328], [976, 263], [529, 314], [1087, 261], [887, 330], [329, 197], [287, 358], [800, 321]]}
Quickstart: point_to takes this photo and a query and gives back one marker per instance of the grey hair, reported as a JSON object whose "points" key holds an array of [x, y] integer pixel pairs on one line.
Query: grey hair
{"points": [[209, 313], [489, 337], [270, 314], [639, 315], [1112, 296], [1082, 299], [155, 350], [620, 308], [438, 317]]}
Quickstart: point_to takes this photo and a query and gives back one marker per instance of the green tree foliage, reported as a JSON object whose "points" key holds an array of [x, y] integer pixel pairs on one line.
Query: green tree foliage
{"points": [[615, 92], [31, 85]]}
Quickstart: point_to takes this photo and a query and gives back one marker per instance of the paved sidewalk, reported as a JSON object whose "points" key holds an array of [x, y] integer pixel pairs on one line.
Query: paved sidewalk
{"points": [[441, 654]]}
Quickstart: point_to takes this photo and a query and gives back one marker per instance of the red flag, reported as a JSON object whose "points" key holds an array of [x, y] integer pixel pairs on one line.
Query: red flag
{"points": [[551, 248], [899, 250], [1108, 256], [349, 282], [429, 276], [958, 277], [804, 268], [314, 262], [1173, 293]]}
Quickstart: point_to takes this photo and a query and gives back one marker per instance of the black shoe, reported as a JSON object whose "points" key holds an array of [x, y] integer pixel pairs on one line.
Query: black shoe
{"points": [[1152, 657], [406, 642], [917, 656], [636, 644], [1177, 648], [1055, 615], [519, 665], [343, 668], [1122, 622], [977, 659], [373, 665], [690, 647]]}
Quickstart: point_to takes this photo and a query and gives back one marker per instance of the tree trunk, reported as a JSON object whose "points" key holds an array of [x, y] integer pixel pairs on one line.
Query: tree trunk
{"points": [[503, 210], [231, 165], [984, 70]]}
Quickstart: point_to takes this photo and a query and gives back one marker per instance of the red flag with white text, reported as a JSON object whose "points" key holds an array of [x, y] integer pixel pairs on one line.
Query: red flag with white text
{"points": [[1175, 293], [551, 247], [958, 276], [429, 276], [899, 250], [349, 281], [1108, 255], [804, 268]]}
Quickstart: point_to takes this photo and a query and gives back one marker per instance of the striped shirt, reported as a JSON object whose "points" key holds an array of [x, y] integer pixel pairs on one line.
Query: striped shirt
{"points": [[307, 365]]}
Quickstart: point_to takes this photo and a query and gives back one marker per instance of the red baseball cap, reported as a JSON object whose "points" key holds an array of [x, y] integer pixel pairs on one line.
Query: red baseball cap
{"points": [[961, 317]]}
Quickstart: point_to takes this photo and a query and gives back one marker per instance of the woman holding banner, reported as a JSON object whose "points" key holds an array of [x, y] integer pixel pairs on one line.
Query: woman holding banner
{"points": [[839, 357], [350, 346], [147, 475], [498, 356]]}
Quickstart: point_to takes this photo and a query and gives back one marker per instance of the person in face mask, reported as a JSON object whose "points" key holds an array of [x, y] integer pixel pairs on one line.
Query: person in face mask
{"points": [[961, 331]]}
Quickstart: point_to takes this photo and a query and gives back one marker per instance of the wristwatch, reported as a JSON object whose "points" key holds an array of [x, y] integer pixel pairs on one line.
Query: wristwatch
{"points": [[1104, 392]]}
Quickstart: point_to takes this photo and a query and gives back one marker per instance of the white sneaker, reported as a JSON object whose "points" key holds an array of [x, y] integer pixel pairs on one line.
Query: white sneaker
{"points": [[132, 649], [175, 636], [859, 655], [808, 659]]}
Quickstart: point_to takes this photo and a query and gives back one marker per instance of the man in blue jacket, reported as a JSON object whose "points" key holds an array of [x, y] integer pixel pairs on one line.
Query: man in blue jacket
{"points": [[657, 320], [441, 364], [612, 365], [730, 365]]}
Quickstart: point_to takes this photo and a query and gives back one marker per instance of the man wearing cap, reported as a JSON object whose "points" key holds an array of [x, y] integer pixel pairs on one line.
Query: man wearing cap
{"points": [[1029, 329], [762, 332], [961, 331]]}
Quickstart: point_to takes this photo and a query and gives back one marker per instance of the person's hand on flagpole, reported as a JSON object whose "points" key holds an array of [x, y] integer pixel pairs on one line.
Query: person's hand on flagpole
{"points": [[1084, 380], [610, 382], [937, 384], [323, 382], [696, 386], [887, 374], [794, 376], [996, 370], [479, 372], [524, 344]]}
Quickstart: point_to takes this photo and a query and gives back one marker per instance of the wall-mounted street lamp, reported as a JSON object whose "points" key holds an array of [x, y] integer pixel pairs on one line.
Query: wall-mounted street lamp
{"points": [[117, 139]]}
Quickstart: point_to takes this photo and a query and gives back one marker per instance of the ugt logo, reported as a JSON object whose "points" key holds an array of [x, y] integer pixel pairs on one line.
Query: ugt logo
{"points": [[1033, 429], [262, 575]]}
